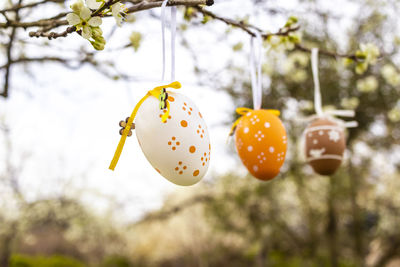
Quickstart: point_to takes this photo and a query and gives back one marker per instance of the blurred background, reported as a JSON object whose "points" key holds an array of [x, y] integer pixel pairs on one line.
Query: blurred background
{"points": [[61, 206]]}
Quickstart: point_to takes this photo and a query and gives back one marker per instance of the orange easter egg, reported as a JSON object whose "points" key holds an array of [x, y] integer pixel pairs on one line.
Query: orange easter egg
{"points": [[260, 140]]}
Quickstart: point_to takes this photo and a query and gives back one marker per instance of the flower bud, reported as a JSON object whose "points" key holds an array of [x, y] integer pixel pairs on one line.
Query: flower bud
{"points": [[96, 32], [99, 43], [77, 6]]}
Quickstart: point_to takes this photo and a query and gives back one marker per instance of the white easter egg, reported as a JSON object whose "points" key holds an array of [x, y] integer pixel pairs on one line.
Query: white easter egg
{"points": [[179, 148]]}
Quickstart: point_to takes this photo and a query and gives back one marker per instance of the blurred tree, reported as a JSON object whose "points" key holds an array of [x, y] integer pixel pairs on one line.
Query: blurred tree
{"points": [[298, 219], [302, 219]]}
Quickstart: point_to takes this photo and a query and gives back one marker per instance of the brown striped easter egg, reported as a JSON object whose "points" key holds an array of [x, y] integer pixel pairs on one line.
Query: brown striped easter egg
{"points": [[324, 145]]}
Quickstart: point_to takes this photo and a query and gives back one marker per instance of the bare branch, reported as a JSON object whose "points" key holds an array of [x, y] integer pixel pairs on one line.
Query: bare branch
{"points": [[327, 53], [19, 6], [282, 32], [163, 215], [52, 35], [51, 23], [36, 59], [9, 59], [144, 5]]}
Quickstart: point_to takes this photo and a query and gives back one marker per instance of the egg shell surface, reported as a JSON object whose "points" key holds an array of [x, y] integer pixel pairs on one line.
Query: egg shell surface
{"points": [[179, 148], [324, 145], [261, 142]]}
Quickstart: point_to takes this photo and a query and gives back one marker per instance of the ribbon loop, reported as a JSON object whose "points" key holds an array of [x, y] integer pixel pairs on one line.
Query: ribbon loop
{"points": [[318, 99], [173, 34], [255, 69], [341, 113], [317, 90]]}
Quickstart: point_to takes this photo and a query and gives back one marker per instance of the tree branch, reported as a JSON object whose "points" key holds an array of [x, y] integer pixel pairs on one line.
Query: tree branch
{"points": [[144, 5], [136, 5], [52, 35], [248, 28], [9, 56], [326, 53], [19, 6], [35, 59], [163, 215], [51, 23]]}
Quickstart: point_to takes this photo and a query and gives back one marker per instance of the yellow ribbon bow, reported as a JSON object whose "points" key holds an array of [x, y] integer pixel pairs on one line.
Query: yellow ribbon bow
{"points": [[155, 92], [243, 111]]}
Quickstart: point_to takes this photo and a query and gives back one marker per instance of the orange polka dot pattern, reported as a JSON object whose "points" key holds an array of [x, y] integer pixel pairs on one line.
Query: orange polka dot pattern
{"points": [[179, 148], [261, 141]]}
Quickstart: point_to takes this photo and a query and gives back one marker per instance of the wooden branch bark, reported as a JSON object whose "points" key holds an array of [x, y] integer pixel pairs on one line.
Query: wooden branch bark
{"points": [[47, 24], [9, 56], [163, 215], [248, 28], [30, 5]]}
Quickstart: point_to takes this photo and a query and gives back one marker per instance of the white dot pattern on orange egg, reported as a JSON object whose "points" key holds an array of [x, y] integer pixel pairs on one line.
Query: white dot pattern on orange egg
{"points": [[261, 143], [179, 148]]}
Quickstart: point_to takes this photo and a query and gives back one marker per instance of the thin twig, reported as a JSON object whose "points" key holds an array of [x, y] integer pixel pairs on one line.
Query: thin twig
{"points": [[19, 7], [282, 32], [326, 52], [34, 59], [9, 56], [52, 35]]}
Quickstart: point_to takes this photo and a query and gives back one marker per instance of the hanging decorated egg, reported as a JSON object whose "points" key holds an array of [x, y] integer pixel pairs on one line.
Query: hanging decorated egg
{"points": [[178, 148], [260, 139], [324, 145]]}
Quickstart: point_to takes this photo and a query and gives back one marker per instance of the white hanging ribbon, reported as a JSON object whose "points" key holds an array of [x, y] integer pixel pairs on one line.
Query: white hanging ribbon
{"points": [[317, 90], [255, 69], [318, 98], [173, 34]]}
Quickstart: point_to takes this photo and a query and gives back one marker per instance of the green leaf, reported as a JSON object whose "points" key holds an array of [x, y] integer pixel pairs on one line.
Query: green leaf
{"points": [[135, 38], [361, 67], [189, 13], [360, 54], [347, 61], [238, 46], [205, 19]]}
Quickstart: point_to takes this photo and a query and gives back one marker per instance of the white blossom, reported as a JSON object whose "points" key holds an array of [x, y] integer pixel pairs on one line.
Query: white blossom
{"points": [[94, 4], [371, 52], [119, 12], [84, 21], [367, 85], [391, 75], [394, 114]]}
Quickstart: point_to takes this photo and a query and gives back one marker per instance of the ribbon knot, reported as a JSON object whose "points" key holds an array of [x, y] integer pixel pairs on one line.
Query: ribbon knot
{"points": [[156, 92], [243, 111]]}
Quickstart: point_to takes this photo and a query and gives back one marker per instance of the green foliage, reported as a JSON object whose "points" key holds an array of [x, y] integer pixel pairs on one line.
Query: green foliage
{"points": [[116, 261], [99, 41], [19, 260], [189, 13], [367, 55], [135, 39], [205, 19], [238, 46], [291, 21], [298, 219]]}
